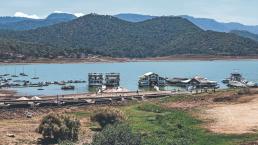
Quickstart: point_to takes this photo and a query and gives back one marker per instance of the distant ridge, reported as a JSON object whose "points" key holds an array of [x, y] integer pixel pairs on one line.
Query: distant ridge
{"points": [[19, 23], [204, 23], [134, 17]]}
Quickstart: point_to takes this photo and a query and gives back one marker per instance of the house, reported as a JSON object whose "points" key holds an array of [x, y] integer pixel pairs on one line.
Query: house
{"points": [[151, 79]]}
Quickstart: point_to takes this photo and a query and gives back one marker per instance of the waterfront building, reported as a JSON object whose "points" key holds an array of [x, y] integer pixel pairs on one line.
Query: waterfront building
{"points": [[151, 79], [95, 79], [112, 79]]}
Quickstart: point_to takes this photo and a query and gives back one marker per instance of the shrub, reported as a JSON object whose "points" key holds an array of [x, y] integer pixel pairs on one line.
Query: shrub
{"points": [[117, 134], [107, 115], [59, 127]]}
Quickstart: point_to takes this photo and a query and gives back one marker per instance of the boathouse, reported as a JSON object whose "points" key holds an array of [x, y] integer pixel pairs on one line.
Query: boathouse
{"points": [[112, 79], [200, 82], [95, 79], [151, 79]]}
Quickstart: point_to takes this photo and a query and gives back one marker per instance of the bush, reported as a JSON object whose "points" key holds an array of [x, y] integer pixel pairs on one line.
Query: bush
{"points": [[59, 127], [118, 134], [107, 115]]}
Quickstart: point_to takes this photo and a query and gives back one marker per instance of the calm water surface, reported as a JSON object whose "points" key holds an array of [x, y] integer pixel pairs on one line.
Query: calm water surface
{"points": [[130, 71]]}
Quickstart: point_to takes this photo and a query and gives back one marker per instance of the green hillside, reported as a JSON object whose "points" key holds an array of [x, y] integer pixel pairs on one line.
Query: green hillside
{"points": [[110, 36]]}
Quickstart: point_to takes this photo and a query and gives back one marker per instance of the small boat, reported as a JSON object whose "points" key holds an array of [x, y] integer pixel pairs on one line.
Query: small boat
{"points": [[68, 87], [23, 74], [61, 83], [14, 76], [251, 84], [236, 84], [40, 89], [35, 78]]}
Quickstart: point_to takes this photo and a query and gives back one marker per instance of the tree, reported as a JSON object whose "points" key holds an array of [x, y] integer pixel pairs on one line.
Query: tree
{"points": [[117, 134], [59, 127]]}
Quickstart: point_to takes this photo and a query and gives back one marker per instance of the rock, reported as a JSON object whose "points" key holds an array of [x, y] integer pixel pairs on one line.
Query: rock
{"points": [[10, 135], [28, 114]]}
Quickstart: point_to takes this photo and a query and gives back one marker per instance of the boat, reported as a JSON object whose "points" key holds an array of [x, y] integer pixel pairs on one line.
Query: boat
{"points": [[61, 83], [5, 75], [40, 89], [237, 80], [70, 87], [35, 78], [235, 76], [236, 84], [23, 74], [14, 76]]}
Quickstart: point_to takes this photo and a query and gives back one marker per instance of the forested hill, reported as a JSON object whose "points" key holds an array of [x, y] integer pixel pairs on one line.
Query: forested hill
{"points": [[245, 34], [110, 36]]}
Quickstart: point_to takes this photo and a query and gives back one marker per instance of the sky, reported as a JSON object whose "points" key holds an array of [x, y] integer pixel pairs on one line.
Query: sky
{"points": [[243, 11]]}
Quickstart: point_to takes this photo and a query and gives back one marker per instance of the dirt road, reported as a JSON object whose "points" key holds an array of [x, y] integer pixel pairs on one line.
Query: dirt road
{"points": [[233, 118]]}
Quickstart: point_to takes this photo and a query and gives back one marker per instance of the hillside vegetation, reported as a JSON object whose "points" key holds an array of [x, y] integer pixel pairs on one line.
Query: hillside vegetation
{"points": [[245, 34], [110, 36]]}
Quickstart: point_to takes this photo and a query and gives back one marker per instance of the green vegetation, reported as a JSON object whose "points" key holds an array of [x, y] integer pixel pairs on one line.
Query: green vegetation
{"points": [[245, 34], [56, 127], [174, 127], [117, 134], [110, 36]]}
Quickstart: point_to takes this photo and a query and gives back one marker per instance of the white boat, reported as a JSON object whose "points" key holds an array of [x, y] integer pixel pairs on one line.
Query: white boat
{"points": [[236, 84]]}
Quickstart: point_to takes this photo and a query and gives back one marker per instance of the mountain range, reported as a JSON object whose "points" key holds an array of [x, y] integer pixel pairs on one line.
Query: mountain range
{"points": [[109, 36], [204, 23], [19, 23]]}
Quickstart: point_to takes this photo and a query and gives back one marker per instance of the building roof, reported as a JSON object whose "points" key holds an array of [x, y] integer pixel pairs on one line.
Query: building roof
{"points": [[203, 80]]}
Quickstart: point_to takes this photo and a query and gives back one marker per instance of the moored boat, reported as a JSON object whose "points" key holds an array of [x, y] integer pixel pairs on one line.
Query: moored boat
{"points": [[70, 87]]}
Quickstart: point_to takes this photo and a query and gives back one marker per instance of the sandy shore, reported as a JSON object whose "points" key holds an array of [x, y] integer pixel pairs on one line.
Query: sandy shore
{"points": [[7, 94], [99, 59]]}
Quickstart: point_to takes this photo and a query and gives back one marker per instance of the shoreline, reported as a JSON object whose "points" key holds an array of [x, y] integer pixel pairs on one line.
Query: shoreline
{"points": [[99, 59]]}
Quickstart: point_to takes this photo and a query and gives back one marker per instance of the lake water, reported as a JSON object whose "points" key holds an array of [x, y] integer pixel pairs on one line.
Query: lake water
{"points": [[130, 71]]}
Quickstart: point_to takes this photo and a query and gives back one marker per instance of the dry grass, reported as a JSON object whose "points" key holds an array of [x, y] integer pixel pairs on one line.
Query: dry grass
{"points": [[24, 128]]}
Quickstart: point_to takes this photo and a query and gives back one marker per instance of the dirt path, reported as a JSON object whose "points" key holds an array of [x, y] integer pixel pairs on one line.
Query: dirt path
{"points": [[233, 118]]}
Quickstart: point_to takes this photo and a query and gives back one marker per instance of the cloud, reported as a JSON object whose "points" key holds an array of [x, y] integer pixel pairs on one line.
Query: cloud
{"points": [[79, 14], [58, 12], [21, 14]]}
